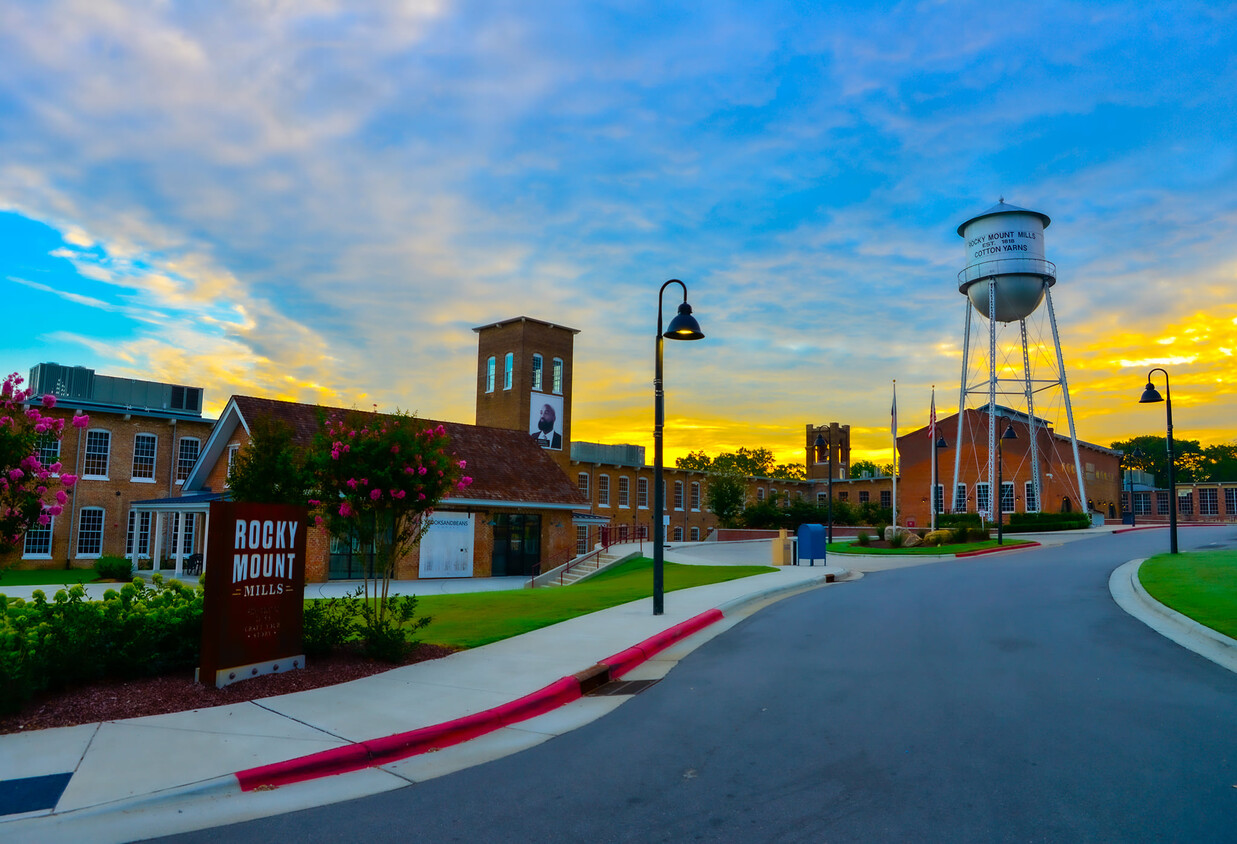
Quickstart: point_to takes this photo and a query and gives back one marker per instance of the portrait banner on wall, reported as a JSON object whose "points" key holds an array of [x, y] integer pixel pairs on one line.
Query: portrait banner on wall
{"points": [[252, 619], [447, 546], [545, 420]]}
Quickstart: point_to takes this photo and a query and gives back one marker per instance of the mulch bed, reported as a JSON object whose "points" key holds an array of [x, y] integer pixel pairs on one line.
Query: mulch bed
{"points": [[116, 699]]}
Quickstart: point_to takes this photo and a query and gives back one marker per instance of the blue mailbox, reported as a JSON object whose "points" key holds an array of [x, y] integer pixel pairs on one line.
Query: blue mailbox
{"points": [[811, 544]]}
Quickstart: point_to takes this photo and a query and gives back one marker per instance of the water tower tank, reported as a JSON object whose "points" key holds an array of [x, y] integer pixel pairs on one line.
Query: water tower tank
{"points": [[1006, 244]]}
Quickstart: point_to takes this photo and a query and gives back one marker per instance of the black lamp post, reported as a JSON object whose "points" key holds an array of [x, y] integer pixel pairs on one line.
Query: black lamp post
{"points": [[938, 445], [682, 327], [820, 443], [1150, 394], [1000, 480], [1136, 454]]}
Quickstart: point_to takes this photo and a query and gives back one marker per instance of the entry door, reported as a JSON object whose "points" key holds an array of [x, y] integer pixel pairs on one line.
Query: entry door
{"points": [[517, 544]]}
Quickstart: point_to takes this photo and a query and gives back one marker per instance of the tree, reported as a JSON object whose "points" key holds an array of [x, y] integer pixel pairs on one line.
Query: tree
{"points": [[270, 468], [725, 497], [860, 466], [379, 478], [1191, 462], [1221, 462], [746, 462], [25, 483]]}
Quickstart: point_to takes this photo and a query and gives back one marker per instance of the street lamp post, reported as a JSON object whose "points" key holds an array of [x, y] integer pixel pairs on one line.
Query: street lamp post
{"points": [[1151, 394], [1137, 454], [682, 327], [1000, 480], [939, 444]]}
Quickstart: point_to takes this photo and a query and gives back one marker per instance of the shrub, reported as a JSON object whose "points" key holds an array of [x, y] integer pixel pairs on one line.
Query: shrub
{"points": [[335, 622], [896, 540], [111, 567], [330, 623], [863, 539]]}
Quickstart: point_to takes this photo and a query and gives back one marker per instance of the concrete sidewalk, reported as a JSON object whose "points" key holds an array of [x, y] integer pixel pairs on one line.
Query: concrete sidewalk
{"points": [[144, 777]]}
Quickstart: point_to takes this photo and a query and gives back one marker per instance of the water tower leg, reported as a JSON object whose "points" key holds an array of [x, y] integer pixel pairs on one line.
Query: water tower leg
{"points": [[966, 349], [1069, 410], [1026, 372], [991, 395]]}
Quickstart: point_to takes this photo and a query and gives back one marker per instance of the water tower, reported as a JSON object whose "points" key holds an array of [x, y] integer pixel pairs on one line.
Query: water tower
{"points": [[1005, 280]]}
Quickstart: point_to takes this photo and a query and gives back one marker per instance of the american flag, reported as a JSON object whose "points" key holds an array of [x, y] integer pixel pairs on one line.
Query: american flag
{"points": [[932, 418]]}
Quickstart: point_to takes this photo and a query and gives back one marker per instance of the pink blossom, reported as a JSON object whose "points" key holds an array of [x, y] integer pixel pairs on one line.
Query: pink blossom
{"points": [[351, 483], [335, 454], [465, 481], [16, 475], [45, 519], [421, 471], [345, 509], [313, 502], [463, 464], [68, 479], [42, 426], [55, 510], [420, 496], [317, 521], [49, 401], [55, 467], [375, 494], [398, 493], [364, 481], [395, 449], [62, 497], [440, 430], [81, 420]]}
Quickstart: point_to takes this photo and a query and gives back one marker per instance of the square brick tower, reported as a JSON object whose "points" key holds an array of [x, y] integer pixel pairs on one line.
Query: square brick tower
{"points": [[524, 376]]}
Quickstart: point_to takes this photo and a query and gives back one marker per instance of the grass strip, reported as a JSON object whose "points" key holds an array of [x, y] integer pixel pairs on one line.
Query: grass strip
{"points": [[46, 577], [472, 619], [921, 550], [1201, 585]]}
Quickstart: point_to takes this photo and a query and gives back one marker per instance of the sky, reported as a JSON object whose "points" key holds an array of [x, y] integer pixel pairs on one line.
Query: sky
{"points": [[318, 200]]}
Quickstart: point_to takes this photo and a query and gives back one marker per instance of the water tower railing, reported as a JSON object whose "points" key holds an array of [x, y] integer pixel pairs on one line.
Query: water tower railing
{"points": [[1008, 266]]}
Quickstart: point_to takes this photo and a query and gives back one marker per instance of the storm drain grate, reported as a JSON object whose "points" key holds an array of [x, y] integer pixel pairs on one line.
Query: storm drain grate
{"points": [[622, 687]]}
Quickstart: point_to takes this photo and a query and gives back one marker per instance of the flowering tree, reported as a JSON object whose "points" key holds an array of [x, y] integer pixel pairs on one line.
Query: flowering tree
{"points": [[379, 478], [30, 493]]}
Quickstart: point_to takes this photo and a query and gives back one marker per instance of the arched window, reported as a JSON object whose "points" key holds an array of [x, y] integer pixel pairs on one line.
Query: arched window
{"points": [[508, 369], [145, 446], [556, 376], [489, 374]]}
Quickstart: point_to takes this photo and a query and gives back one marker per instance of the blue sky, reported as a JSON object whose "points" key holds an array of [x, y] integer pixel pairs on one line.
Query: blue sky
{"points": [[319, 200]]}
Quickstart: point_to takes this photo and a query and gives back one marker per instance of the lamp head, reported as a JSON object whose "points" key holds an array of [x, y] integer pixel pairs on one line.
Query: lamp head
{"points": [[684, 325], [1151, 394], [940, 443], [1009, 434]]}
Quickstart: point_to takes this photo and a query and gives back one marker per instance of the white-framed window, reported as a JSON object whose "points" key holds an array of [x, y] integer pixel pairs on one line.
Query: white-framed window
{"points": [[696, 495], [582, 484], [90, 532], [642, 493], [508, 370], [1142, 503], [678, 495], [695, 534], [1030, 497], [98, 451], [556, 376], [983, 498], [1007, 496], [581, 540], [1230, 500], [190, 448], [538, 374], [145, 447], [38, 541], [1185, 503], [190, 521], [603, 490], [1161, 503], [48, 450], [624, 491], [760, 493], [1208, 502], [678, 533], [137, 537], [959, 498], [490, 366]]}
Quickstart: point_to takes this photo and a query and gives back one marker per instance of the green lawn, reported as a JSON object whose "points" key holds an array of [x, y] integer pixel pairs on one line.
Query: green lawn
{"points": [[46, 577], [1200, 584], [477, 618], [855, 548]]}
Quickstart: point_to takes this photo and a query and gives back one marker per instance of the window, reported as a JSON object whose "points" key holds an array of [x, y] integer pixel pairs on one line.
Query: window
{"points": [[190, 522], [1007, 496], [843, 495], [137, 539], [98, 446], [190, 447], [822, 498], [760, 493], [695, 534], [582, 484], [144, 448], [983, 498], [38, 544], [642, 493], [537, 373], [232, 449], [624, 491], [1185, 504], [1161, 503], [622, 533], [959, 498], [1230, 500], [508, 369], [48, 451], [1208, 502], [886, 498], [865, 497], [938, 498], [1032, 498], [678, 533], [603, 490], [581, 539], [678, 495], [90, 532], [1142, 503], [556, 376], [490, 364], [695, 495]]}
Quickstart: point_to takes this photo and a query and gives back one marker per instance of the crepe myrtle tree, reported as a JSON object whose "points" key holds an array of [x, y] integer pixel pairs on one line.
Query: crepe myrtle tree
{"points": [[30, 493], [378, 479]]}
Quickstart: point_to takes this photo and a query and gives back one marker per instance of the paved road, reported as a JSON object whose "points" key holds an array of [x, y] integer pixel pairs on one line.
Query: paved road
{"points": [[996, 699]]}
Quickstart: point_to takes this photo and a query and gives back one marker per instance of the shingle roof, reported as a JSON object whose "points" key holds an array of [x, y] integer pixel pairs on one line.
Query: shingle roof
{"points": [[505, 465]]}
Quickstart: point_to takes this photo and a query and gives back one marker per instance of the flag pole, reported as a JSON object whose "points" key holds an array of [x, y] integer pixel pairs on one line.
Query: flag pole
{"points": [[932, 445], [893, 429]]}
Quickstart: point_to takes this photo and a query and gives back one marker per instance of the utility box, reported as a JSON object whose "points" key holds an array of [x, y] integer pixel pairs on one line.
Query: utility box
{"points": [[783, 553], [811, 544]]}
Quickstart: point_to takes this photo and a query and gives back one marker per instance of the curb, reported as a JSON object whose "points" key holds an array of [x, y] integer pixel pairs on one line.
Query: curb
{"points": [[1128, 592], [999, 549]]}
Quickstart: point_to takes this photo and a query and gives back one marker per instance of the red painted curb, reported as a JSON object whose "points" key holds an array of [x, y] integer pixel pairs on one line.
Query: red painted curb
{"points": [[998, 549], [366, 754], [1138, 527]]}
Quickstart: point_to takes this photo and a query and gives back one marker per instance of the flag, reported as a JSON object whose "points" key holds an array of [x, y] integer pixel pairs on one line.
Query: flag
{"points": [[932, 418], [893, 412]]}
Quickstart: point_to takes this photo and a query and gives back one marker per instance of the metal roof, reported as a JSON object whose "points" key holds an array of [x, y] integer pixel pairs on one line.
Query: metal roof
{"points": [[1004, 207]]}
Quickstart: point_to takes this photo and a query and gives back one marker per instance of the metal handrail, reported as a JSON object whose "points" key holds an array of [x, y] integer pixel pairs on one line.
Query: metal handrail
{"points": [[1016, 266], [606, 536]]}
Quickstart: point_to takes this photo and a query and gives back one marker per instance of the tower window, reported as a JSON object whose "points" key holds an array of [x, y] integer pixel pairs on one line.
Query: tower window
{"points": [[489, 374], [508, 369], [556, 376], [537, 373]]}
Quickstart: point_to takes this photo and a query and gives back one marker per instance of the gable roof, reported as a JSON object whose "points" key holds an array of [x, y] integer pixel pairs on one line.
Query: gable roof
{"points": [[507, 467]]}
